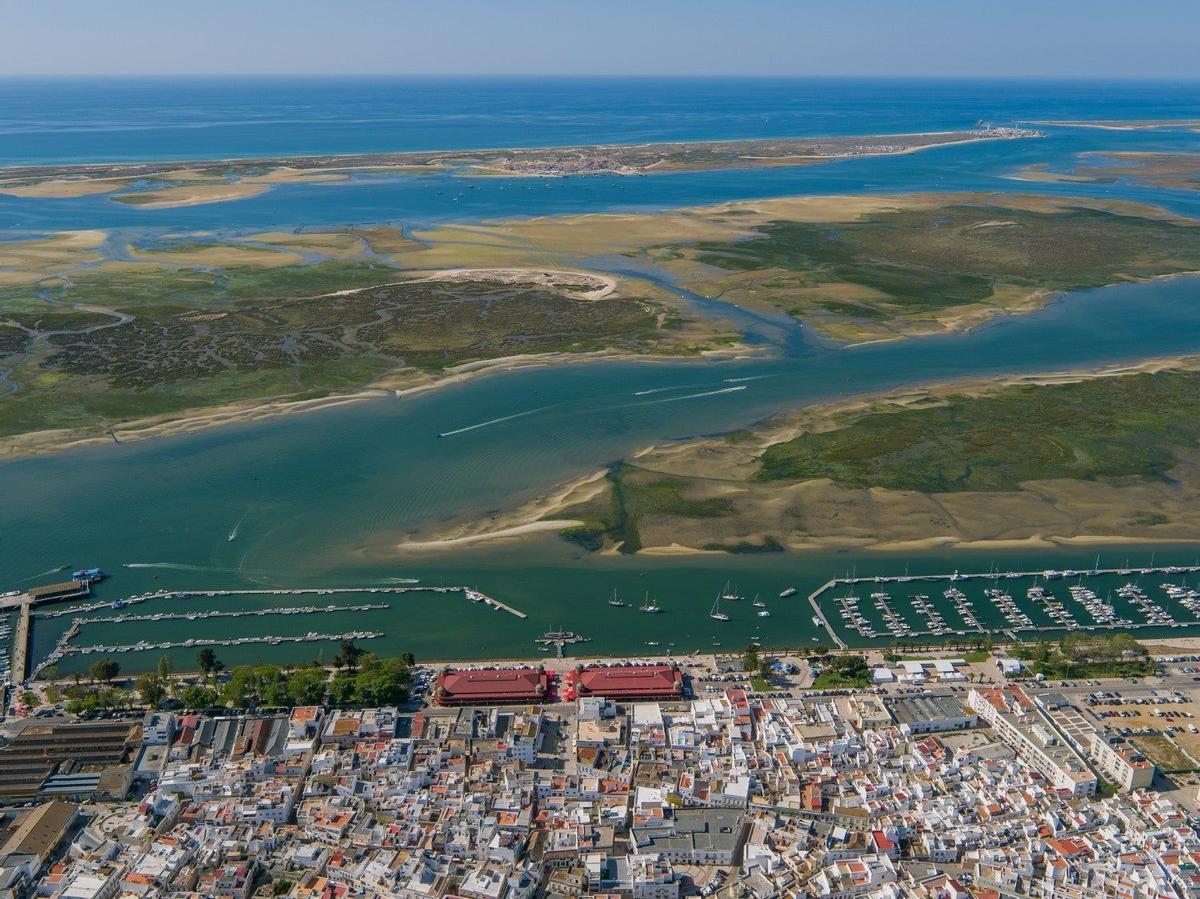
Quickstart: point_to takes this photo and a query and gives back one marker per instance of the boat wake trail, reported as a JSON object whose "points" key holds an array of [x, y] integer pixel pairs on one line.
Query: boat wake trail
{"points": [[233, 534], [43, 574], [693, 396], [182, 566], [748, 378], [665, 389], [491, 421]]}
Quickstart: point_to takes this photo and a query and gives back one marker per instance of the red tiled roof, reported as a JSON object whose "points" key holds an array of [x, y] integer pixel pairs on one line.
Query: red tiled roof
{"points": [[493, 685], [630, 681]]}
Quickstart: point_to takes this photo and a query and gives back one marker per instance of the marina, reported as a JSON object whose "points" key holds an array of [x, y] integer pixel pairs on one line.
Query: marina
{"points": [[17, 650], [1030, 604]]}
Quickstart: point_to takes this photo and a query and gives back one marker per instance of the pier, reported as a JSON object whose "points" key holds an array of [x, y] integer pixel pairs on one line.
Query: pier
{"points": [[469, 592], [20, 646], [23, 603], [819, 613], [246, 613], [560, 639]]}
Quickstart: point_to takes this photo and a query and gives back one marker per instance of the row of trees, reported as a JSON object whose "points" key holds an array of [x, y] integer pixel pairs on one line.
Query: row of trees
{"points": [[359, 678]]}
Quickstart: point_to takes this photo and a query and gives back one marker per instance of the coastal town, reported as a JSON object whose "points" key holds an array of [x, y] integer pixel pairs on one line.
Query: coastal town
{"points": [[557, 451], [727, 776]]}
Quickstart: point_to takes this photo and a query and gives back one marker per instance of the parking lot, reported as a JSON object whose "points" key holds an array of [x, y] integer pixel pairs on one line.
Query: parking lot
{"points": [[1163, 723]]}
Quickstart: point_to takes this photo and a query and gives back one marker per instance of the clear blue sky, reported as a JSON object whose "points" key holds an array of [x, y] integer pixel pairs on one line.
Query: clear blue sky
{"points": [[1023, 38]]}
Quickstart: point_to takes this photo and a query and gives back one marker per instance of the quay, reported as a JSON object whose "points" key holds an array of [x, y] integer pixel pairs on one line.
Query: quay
{"points": [[23, 603], [20, 646], [819, 613]]}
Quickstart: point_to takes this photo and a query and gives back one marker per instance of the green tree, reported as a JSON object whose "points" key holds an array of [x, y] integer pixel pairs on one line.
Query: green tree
{"points": [[307, 686], [50, 672], [382, 682], [197, 696], [165, 666], [152, 687], [104, 670], [342, 689], [348, 655], [750, 658], [208, 662]]}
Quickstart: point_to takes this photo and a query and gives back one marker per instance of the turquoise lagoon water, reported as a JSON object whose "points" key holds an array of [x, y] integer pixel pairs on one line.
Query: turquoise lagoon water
{"points": [[316, 499]]}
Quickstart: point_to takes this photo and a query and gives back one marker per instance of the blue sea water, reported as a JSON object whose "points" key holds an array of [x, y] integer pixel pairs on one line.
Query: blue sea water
{"points": [[315, 498], [70, 121], [122, 119]]}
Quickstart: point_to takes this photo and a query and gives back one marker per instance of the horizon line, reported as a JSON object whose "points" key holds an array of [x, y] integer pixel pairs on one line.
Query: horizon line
{"points": [[1193, 78]]}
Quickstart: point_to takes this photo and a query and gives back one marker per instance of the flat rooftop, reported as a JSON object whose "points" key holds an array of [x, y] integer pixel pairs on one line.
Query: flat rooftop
{"points": [[910, 709]]}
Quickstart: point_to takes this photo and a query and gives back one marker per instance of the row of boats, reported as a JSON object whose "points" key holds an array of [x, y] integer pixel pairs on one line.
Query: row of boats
{"points": [[1101, 611], [240, 613], [63, 647], [727, 594]]}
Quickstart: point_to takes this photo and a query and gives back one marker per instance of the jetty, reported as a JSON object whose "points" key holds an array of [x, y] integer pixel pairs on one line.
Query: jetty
{"points": [[243, 613], [819, 613], [560, 639], [23, 603]]}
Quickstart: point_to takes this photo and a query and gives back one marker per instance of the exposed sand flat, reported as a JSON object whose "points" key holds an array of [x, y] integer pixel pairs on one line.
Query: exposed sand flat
{"points": [[219, 255], [63, 249], [61, 189], [192, 194], [520, 530], [289, 175], [341, 244], [539, 515], [1124, 125], [1043, 175]]}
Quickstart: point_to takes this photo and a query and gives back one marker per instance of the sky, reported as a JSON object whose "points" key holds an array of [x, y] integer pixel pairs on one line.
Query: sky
{"points": [[899, 38]]}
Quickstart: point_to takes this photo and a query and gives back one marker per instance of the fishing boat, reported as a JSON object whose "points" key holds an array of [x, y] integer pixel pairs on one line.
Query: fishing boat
{"points": [[714, 614], [617, 601]]}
